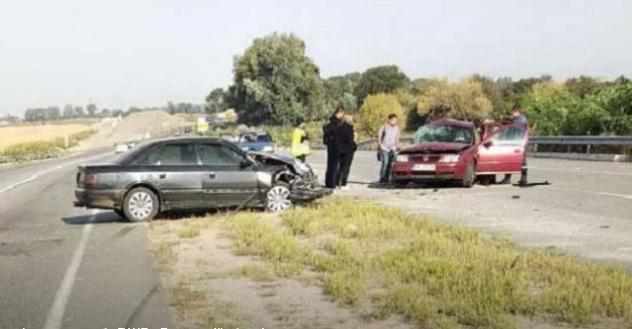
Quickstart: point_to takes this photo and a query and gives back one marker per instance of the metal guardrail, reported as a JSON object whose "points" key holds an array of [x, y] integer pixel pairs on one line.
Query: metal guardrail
{"points": [[581, 140]]}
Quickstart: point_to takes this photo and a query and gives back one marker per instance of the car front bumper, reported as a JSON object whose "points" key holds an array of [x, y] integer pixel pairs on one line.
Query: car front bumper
{"points": [[98, 199]]}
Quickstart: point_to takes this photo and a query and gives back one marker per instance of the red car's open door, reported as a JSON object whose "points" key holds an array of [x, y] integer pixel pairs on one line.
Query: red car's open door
{"points": [[503, 151]]}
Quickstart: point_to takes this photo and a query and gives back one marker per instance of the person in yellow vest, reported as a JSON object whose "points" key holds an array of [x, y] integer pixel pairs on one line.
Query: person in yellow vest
{"points": [[300, 142]]}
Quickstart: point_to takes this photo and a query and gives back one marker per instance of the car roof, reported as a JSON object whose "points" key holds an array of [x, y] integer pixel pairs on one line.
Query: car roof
{"points": [[188, 139], [453, 122]]}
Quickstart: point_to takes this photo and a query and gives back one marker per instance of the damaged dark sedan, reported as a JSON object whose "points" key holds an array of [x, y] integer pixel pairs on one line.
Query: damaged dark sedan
{"points": [[194, 173]]}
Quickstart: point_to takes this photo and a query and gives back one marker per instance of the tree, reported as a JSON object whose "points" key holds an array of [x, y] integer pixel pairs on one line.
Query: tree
{"points": [[380, 79], [275, 82], [495, 92], [216, 101], [79, 112], [375, 110], [464, 100], [69, 111], [616, 100], [92, 110], [583, 86]]}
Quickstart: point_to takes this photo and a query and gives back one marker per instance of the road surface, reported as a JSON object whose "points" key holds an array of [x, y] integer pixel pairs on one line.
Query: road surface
{"points": [[587, 209], [64, 267]]}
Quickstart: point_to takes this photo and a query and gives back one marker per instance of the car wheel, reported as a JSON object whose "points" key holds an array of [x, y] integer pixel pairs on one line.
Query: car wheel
{"points": [[469, 176], [278, 198], [402, 183], [141, 204]]}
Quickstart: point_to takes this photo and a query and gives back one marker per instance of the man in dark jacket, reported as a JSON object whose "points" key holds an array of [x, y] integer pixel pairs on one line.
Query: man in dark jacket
{"points": [[519, 119], [330, 134], [346, 149]]}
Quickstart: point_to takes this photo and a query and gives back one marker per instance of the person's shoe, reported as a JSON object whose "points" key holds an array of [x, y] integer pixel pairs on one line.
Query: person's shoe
{"points": [[523, 182], [345, 187], [505, 181]]}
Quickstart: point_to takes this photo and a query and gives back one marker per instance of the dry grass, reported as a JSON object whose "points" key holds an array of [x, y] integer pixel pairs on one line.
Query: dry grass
{"points": [[437, 275], [37, 133]]}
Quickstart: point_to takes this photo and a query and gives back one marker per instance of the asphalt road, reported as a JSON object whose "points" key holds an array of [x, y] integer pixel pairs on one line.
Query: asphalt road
{"points": [[586, 210], [65, 267]]}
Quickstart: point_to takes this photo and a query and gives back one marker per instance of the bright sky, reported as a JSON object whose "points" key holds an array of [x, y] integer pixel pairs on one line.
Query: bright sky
{"points": [[118, 53]]}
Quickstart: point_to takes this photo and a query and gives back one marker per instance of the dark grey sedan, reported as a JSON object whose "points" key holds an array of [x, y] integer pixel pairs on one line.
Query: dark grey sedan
{"points": [[194, 173]]}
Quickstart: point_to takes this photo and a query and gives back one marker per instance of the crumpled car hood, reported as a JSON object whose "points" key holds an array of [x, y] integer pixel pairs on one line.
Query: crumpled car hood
{"points": [[435, 148]]}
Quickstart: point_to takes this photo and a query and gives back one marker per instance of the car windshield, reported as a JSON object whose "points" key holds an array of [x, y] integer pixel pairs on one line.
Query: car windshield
{"points": [[444, 134]]}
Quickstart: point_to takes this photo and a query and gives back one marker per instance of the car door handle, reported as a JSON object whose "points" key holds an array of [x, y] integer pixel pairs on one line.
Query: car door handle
{"points": [[211, 175], [162, 176]]}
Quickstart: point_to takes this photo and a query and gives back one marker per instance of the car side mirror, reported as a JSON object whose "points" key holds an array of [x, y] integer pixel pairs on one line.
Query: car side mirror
{"points": [[245, 164]]}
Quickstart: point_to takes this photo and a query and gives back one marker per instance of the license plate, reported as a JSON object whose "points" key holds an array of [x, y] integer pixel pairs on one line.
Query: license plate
{"points": [[424, 167]]}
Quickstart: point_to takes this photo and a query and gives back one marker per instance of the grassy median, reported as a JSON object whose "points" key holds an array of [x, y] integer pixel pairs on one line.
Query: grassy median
{"points": [[437, 275]]}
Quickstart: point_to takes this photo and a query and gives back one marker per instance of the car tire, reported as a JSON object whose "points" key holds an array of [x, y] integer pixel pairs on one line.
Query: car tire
{"points": [[469, 175], [141, 204], [120, 213], [278, 198], [402, 183]]}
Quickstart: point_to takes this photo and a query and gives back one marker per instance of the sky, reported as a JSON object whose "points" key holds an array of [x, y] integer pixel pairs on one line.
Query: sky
{"points": [[120, 53]]}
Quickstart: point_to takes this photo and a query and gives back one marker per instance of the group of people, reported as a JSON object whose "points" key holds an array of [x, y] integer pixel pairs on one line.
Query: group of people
{"points": [[339, 137]]}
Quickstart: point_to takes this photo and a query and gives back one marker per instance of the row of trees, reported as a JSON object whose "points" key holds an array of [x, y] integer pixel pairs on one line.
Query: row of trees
{"points": [[69, 111], [276, 83]]}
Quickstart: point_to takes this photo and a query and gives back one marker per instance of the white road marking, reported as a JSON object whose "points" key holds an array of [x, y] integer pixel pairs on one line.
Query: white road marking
{"points": [[48, 171], [616, 195], [55, 317], [578, 170]]}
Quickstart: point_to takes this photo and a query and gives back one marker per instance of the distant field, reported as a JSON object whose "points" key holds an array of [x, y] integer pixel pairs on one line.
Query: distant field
{"points": [[34, 133]]}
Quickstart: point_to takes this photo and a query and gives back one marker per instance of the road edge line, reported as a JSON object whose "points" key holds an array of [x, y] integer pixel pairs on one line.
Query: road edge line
{"points": [[55, 316]]}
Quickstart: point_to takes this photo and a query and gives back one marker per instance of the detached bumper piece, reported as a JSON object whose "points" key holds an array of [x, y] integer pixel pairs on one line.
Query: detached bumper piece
{"points": [[300, 192]]}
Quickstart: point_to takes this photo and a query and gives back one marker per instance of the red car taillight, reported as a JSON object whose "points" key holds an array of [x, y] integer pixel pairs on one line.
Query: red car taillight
{"points": [[90, 180]]}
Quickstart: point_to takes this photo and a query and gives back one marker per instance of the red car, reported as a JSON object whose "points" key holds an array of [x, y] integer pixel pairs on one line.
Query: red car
{"points": [[452, 150]]}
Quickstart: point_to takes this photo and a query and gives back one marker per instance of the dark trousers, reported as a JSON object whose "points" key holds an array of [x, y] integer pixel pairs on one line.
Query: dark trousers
{"points": [[346, 159], [333, 164]]}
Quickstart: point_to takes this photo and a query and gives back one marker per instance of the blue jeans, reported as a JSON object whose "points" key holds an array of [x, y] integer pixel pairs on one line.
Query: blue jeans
{"points": [[385, 169]]}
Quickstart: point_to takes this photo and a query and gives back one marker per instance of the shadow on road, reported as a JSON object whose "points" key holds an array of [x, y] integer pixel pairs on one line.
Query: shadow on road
{"points": [[100, 218]]}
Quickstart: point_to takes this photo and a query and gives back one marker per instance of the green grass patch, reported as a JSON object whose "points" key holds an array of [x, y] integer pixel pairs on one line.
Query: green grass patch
{"points": [[189, 231], [436, 275]]}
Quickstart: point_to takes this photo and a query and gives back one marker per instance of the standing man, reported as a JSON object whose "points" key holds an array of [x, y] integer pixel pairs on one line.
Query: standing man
{"points": [[300, 143], [519, 119], [330, 133], [347, 147], [388, 142]]}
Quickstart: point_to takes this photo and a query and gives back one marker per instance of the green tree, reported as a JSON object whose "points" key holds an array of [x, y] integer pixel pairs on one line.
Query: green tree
{"points": [[583, 86], [464, 100], [498, 94], [276, 83], [616, 100], [380, 79], [375, 110], [216, 101]]}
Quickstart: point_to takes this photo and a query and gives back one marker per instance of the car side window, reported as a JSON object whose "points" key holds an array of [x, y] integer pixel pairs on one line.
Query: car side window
{"points": [[218, 155], [509, 136], [170, 155]]}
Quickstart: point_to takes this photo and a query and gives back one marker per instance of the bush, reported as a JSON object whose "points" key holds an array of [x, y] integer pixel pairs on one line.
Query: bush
{"points": [[374, 112]]}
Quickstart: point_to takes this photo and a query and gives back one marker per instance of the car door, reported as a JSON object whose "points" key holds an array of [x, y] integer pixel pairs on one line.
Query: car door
{"points": [[503, 151], [174, 169], [229, 178]]}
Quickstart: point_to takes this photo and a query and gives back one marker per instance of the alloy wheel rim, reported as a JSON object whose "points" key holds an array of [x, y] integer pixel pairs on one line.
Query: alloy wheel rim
{"points": [[141, 205], [278, 199]]}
